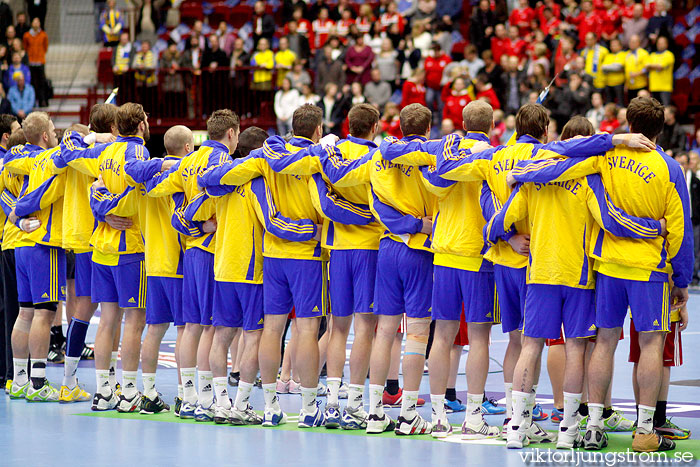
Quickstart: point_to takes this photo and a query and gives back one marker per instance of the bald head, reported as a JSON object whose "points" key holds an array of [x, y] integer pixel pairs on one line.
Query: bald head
{"points": [[178, 141], [478, 116]]}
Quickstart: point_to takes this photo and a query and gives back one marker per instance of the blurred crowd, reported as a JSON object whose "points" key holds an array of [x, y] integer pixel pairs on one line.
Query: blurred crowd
{"points": [[597, 55]]}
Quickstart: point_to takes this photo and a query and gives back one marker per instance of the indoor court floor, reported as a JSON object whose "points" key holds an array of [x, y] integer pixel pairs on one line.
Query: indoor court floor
{"points": [[54, 434]]}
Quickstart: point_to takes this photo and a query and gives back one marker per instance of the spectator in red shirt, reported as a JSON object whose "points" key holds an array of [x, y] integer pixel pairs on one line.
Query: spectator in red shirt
{"points": [[365, 20], [549, 23], [627, 8], [554, 8], [322, 28], [499, 43], [611, 22], [564, 60], [413, 91], [392, 16], [587, 21], [484, 91], [521, 17], [390, 123], [303, 25], [434, 65], [610, 122], [456, 100], [516, 45], [342, 27]]}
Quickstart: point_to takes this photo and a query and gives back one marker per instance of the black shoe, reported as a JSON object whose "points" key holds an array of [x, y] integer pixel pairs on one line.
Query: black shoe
{"points": [[56, 355], [150, 407], [88, 353], [233, 379], [178, 404]]}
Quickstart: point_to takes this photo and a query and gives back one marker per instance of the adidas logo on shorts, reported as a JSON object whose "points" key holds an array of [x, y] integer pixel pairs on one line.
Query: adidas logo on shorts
{"points": [[45, 295], [131, 300], [592, 328], [656, 322], [315, 310]]}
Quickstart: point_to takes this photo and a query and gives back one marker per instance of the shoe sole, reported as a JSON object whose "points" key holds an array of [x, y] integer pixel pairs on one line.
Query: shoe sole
{"points": [[479, 436], [332, 425], [390, 427], [63, 401], [221, 421], [441, 434]]}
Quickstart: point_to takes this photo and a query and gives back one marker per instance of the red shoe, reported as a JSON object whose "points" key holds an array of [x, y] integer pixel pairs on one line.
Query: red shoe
{"points": [[395, 399]]}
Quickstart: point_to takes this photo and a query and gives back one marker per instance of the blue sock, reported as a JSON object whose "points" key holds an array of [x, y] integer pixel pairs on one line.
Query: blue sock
{"points": [[75, 337]]}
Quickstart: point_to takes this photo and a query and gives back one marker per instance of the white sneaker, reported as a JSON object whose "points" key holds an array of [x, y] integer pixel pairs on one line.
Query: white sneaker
{"points": [[101, 403], [221, 415], [377, 424], [569, 437], [126, 405], [441, 428], [516, 438], [415, 426], [537, 434], [272, 418], [245, 417], [479, 431], [322, 390]]}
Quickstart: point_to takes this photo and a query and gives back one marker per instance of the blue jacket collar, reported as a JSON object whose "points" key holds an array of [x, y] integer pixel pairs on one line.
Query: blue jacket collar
{"points": [[361, 141], [32, 148], [300, 142], [215, 145], [414, 137], [527, 139], [479, 136], [130, 139]]}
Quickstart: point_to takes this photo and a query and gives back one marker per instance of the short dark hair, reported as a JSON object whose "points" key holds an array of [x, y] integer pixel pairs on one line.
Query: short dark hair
{"points": [[306, 119], [532, 119], [577, 126], [102, 117], [251, 138], [220, 122], [129, 115], [415, 119], [478, 116], [362, 117], [6, 121], [645, 115]]}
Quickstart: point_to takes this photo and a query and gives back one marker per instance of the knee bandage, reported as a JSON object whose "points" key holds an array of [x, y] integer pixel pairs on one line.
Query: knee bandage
{"points": [[22, 324], [417, 332]]}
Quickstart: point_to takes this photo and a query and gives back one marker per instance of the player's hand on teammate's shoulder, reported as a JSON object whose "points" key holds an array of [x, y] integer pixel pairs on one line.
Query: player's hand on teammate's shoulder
{"points": [[480, 146], [105, 138], [328, 140], [118, 223], [520, 244], [427, 225], [166, 165], [634, 140]]}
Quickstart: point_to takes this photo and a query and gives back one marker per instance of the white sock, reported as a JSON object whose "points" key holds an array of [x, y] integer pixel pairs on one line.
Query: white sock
{"points": [[595, 415], [333, 390], [376, 391], [205, 398], [129, 388], [509, 400], [645, 420], [270, 395], [149, 385], [531, 401], [243, 395], [103, 385], [473, 415], [180, 391], [308, 400], [189, 391], [520, 403], [221, 390], [355, 393], [408, 404], [21, 375], [113, 370], [70, 367], [571, 404], [437, 402]]}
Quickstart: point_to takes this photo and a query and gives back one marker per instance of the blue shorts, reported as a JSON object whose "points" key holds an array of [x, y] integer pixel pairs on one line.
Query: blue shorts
{"points": [[648, 302], [164, 300], [124, 284], [41, 274], [404, 280], [351, 275], [548, 307], [454, 287], [297, 283], [198, 287], [83, 274], [511, 287], [238, 305]]}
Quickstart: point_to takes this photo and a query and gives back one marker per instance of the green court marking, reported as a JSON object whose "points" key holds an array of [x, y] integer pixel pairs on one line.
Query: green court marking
{"points": [[617, 442]]}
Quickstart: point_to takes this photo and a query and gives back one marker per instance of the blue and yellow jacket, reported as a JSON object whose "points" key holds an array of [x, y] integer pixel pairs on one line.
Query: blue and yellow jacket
{"points": [[78, 222], [11, 186], [562, 217], [121, 164], [643, 184], [338, 232], [245, 215], [42, 196], [289, 193], [494, 164], [164, 251], [463, 207], [182, 178]]}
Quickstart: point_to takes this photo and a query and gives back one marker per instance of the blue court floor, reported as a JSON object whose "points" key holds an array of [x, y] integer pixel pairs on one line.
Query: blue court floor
{"points": [[53, 434]]}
